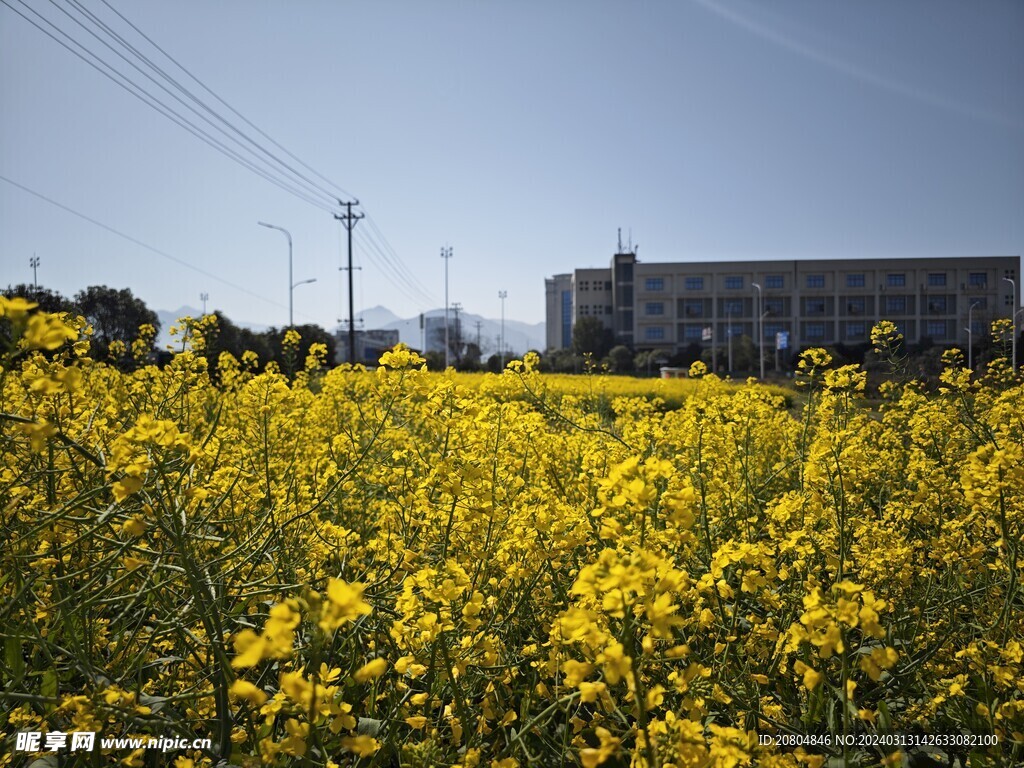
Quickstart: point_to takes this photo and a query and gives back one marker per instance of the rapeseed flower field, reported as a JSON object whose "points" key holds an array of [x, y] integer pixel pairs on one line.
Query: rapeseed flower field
{"points": [[399, 568]]}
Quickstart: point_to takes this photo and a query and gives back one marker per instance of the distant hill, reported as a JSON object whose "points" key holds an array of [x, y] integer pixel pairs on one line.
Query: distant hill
{"points": [[168, 318], [519, 336]]}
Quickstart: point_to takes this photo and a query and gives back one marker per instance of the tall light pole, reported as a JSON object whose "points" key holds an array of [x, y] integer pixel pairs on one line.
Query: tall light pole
{"points": [[502, 295], [291, 286], [1013, 321], [760, 330], [446, 254], [1017, 314], [204, 297], [34, 263], [970, 335], [728, 332]]}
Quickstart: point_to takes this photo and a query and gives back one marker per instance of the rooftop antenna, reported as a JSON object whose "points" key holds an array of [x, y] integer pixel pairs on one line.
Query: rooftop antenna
{"points": [[620, 241]]}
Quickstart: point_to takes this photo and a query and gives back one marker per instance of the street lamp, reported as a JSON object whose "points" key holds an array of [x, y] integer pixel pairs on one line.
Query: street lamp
{"points": [[728, 332], [1013, 339], [970, 335], [502, 295], [760, 330], [291, 286], [446, 254], [1017, 314]]}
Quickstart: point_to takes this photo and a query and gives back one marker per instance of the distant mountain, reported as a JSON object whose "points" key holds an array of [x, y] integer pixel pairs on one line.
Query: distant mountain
{"points": [[519, 336], [376, 317], [168, 318]]}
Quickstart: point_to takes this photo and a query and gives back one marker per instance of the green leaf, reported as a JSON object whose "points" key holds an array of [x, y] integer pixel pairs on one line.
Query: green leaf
{"points": [[50, 688], [12, 654]]}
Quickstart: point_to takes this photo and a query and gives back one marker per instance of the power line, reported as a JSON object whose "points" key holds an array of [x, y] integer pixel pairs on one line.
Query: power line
{"points": [[400, 271], [286, 177], [154, 103], [138, 242], [312, 187], [338, 191]]}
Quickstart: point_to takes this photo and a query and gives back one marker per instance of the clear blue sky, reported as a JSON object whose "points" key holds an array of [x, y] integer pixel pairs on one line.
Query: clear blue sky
{"points": [[523, 134]]}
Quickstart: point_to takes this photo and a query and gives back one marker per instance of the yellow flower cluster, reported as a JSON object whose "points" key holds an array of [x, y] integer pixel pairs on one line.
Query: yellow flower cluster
{"points": [[398, 567]]}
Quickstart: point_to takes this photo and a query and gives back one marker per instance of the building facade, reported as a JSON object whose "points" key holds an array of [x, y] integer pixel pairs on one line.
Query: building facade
{"points": [[800, 304], [370, 345]]}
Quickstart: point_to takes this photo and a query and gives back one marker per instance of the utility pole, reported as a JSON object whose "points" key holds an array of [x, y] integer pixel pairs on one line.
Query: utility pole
{"points": [[456, 308], [1013, 323], [503, 295], [204, 297], [446, 254], [479, 349], [349, 220], [760, 327], [970, 336], [34, 263], [728, 331]]}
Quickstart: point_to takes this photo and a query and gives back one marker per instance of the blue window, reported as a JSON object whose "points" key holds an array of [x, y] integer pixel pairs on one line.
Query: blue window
{"points": [[938, 305], [896, 279], [977, 279], [815, 281], [654, 284], [733, 282], [856, 330], [732, 307], [774, 307], [937, 279], [855, 305], [695, 283], [815, 330], [770, 329], [654, 332], [693, 307], [654, 308], [935, 329], [773, 281], [693, 332], [978, 303], [896, 304], [855, 281], [814, 306]]}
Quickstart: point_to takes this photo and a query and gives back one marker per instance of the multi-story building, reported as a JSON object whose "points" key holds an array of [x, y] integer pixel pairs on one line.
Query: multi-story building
{"points": [[669, 306], [370, 345]]}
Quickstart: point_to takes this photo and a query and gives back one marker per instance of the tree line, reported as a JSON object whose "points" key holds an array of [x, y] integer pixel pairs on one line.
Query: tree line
{"points": [[116, 315]]}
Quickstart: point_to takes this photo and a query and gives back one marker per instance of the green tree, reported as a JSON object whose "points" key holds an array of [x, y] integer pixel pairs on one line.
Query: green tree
{"points": [[48, 301], [589, 336], [114, 315], [620, 359]]}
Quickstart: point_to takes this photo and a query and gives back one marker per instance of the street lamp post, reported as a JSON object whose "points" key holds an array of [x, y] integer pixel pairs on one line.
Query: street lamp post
{"points": [[728, 332], [760, 330], [1013, 321], [970, 335], [34, 263], [502, 295], [446, 254], [291, 286], [1017, 314]]}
